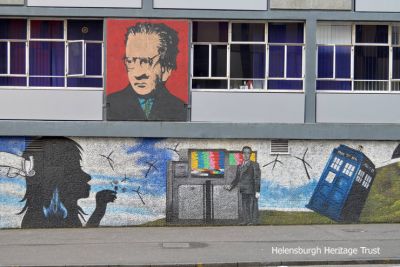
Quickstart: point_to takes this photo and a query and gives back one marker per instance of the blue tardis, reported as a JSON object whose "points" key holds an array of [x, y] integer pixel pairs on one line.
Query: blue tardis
{"points": [[344, 185]]}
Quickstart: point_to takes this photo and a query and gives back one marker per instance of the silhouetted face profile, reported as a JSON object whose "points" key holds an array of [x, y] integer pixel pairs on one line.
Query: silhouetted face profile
{"points": [[142, 61]]}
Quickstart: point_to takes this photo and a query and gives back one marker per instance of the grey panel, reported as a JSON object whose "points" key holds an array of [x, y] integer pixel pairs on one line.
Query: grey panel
{"points": [[225, 203], [378, 6], [311, 4], [51, 104], [247, 107], [87, 3], [212, 4], [12, 2], [358, 108], [190, 202]]}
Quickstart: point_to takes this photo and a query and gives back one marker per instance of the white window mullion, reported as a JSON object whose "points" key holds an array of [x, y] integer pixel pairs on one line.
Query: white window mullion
{"points": [[285, 62], [209, 60], [390, 57], [66, 52], [84, 58], [228, 69], [334, 63], [8, 57]]}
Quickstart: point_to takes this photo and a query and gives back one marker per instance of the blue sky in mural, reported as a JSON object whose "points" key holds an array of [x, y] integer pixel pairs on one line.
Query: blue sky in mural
{"points": [[15, 145]]}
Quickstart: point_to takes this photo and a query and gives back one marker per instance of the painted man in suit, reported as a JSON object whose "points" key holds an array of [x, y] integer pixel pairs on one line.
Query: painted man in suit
{"points": [[248, 180]]}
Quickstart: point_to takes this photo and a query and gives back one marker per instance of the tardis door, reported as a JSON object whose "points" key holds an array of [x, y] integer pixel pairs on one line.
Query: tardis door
{"points": [[333, 187]]}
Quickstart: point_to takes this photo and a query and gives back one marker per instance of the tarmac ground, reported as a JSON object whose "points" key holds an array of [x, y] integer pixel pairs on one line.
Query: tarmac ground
{"points": [[225, 246]]}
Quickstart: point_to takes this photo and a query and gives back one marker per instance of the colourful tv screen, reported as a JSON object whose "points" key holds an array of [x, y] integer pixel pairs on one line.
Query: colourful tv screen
{"points": [[207, 163], [236, 158]]}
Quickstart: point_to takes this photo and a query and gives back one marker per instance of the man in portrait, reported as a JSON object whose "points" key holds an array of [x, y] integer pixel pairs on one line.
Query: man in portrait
{"points": [[150, 58]]}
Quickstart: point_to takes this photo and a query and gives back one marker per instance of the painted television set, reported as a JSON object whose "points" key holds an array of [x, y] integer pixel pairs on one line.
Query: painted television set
{"points": [[236, 157], [207, 163]]}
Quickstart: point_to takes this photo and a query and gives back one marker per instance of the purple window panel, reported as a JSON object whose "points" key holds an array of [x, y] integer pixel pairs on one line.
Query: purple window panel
{"points": [[84, 82], [276, 61], [294, 62], [12, 81], [93, 59], [12, 29], [396, 62], [17, 54], [285, 85], [3, 58], [248, 32], [210, 31], [218, 60], [47, 29], [46, 81], [372, 34], [247, 61], [200, 60], [334, 85], [85, 30], [285, 32], [343, 61], [46, 58], [75, 58], [325, 61]]}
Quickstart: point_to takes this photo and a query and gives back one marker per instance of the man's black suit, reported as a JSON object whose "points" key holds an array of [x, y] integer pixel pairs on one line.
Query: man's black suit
{"points": [[124, 106]]}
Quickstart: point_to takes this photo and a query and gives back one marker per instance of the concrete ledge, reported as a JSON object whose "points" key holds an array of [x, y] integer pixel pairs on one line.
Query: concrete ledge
{"points": [[311, 4], [12, 2]]}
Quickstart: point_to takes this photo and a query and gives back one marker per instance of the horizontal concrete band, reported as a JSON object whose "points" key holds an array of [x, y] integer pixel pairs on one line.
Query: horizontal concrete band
{"points": [[202, 130], [12, 2], [311, 4]]}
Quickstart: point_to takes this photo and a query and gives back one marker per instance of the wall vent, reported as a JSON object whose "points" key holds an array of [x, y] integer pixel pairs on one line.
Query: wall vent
{"points": [[279, 146]]}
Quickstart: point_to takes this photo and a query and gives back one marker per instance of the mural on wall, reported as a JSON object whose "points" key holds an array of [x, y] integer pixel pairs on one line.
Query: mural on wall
{"points": [[147, 65], [75, 182]]}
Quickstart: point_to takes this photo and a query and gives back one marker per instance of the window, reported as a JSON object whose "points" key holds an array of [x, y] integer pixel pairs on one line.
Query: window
{"points": [[358, 57], [360, 176], [336, 164], [348, 169], [367, 181], [51, 53], [247, 56]]}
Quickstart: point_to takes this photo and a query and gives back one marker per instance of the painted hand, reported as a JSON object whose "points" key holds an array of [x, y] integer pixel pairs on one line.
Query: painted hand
{"points": [[227, 187], [105, 196], [257, 195]]}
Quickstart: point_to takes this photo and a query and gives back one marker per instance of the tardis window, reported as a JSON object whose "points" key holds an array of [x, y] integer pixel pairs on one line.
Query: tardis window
{"points": [[330, 177], [360, 176], [348, 169], [367, 181], [337, 162]]}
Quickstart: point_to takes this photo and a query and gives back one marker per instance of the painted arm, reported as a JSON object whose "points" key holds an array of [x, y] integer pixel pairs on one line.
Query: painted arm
{"points": [[102, 199]]}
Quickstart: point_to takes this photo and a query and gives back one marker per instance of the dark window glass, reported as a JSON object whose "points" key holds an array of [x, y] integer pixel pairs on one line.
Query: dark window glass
{"points": [[343, 61], [325, 62], [12, 81], [93, 59], [285, 85], [285, 32], [334, 85], [371, 63], [218, 60], [46, 58], [17, 54], [248, 32], [371, 33], [247, 61], [47, 29], [12, 29], [3, 58], [276, 61], [209, 84], [75, 55], [84, 82], [200, 60], [396, 62], [46, 81], [85, 30], [294, 62], [210, 31]]}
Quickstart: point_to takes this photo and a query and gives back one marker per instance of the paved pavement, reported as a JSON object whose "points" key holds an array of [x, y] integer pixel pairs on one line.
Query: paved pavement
{"points": [[203, 246]]}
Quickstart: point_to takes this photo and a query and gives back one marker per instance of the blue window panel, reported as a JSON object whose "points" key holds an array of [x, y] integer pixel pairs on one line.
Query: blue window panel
{"points": [[285, 85], [201, 60], [210, 31], [12, 29], [343, 61], [47, 29], [209, 84], [46, 81], [334, 85], [285, 32], [84, 82], [247, 61], [396, 62], [17, 54], [294, 62], [94, 59], [12, 81], [371, 63], [3, 58], [254, 32], [276, 61], [85, 30], [75, 58], [46, 58], [372, 34], [325, 61]]}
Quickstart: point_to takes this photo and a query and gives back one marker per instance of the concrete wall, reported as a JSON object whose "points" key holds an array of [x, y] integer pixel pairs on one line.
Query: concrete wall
{"points": [[311, 4], [213, 5], [377, 6], [145, 174], [12, 2], [87, 3], [248, 107]]}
